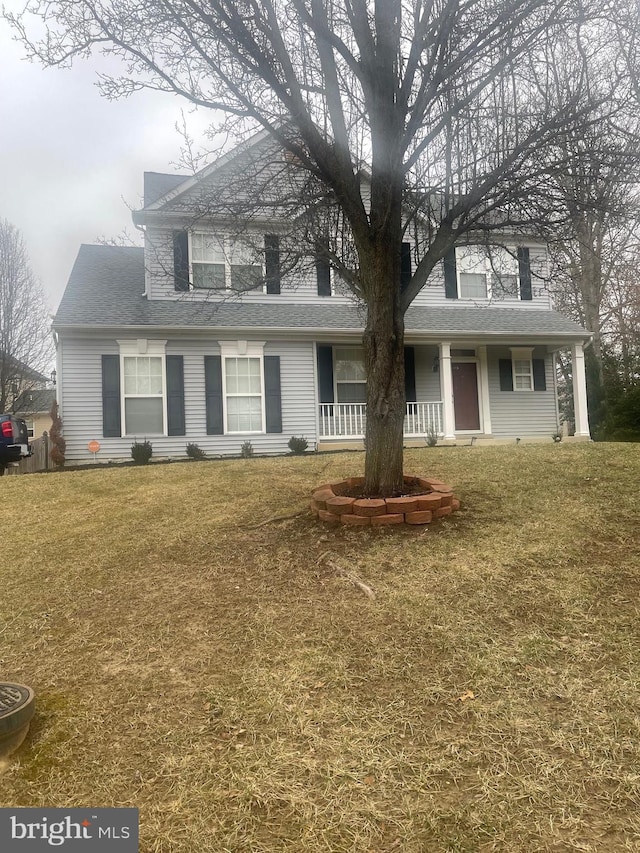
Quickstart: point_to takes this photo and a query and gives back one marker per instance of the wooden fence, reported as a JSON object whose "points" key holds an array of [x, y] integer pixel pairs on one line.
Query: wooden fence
{"points": [[40, 459]]}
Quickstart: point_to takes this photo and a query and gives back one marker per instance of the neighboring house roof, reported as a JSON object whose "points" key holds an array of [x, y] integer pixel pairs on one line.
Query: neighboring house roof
{"points": [[23, 370], [38, 400], [107, 284]]}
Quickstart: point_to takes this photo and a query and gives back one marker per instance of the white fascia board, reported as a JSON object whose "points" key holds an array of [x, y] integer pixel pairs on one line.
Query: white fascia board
{"points": [[412, 337], [182, 219]]}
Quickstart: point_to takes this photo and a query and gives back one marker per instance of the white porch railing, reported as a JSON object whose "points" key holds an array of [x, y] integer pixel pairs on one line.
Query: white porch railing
{"points": [[348, 420], [422, 418]]}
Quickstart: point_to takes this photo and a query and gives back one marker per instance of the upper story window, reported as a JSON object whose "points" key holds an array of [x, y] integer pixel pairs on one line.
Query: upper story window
{"points": [[472, 273], [207, 261], [481, 273], [222, 264]]}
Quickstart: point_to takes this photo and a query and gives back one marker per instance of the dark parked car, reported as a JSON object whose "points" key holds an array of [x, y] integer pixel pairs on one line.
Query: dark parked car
{"points": [[14, 441]]}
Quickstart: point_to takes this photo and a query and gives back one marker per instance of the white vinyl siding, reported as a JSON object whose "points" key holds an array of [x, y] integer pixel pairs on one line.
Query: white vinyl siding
{"points": [[300, 288], [524, 414], [81, 390], [427, 379]]}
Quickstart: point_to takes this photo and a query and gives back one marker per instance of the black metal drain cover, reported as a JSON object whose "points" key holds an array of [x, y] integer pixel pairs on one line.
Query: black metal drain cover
{"points": [[17, 706]]}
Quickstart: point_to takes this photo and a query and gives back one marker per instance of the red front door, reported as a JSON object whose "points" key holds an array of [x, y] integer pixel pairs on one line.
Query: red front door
{"points": [[465, 395]]}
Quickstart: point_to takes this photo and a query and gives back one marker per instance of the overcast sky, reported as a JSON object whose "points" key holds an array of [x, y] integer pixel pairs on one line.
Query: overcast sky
{"points": [[71, 161]]}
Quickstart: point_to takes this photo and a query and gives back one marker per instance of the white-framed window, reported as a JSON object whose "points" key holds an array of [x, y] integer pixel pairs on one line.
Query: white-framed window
{"points": [[504, 273], [30, 428], [522, 366], [144, 382], [350, 375], [471, 263], [220, 263], [208, 264], [243, 386], [487, 273]]}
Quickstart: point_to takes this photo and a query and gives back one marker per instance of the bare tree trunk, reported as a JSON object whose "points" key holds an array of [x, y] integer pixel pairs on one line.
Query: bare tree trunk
{"points": [[384, 357]]}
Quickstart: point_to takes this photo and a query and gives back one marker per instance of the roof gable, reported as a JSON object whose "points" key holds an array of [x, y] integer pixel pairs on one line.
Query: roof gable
{"points": [[158, 184], [227, 180]]}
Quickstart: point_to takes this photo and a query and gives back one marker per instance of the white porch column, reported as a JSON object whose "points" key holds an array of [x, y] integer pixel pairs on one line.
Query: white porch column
{"points": [[579, 391], [484, 385], [446, 391]]}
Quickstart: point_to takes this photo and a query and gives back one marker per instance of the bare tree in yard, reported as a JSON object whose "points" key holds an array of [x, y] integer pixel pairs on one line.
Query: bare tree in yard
{"points": [[447, 106], [597, 192], [25, 339]]}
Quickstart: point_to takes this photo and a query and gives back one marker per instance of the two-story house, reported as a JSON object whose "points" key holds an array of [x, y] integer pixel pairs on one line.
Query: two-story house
{"points": [[203, 336]]}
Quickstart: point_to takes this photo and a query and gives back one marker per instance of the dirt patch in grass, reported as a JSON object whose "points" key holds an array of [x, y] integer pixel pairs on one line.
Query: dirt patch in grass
{"points": [[242, 691]]}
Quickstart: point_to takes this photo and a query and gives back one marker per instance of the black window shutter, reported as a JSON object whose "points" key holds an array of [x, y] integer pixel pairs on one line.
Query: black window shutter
{"points": [[213, 394], [111, 423], [175, 395], [325, 373], [506, 374], [539, 378], [450, 275], [323, 271], [272, 393], [272, 262], [410, 374], [405, 266], [181, 260], [524, 273]]}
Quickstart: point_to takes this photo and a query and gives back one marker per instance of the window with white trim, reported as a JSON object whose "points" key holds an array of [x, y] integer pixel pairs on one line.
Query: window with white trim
{"points": [[522, 367], [142, 367], [350, 375], [504, 273], [243, 387], [471, 262], [487, 273], [208, 265], [220, 263]]}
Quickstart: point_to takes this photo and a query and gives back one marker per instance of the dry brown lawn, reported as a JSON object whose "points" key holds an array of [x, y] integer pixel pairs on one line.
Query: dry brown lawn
{"points": [[235, 684]]}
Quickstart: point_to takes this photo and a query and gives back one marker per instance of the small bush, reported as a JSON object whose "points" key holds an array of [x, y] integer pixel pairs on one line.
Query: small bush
{"points": [[141, 452], [431, 437], [195, 452], [58, 444], [298, 445], [246, 450]]}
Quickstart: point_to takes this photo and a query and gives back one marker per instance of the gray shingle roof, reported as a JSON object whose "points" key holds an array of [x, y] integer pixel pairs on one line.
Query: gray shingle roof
{"points": [[107, 284], [157, 184], [37, 400]]}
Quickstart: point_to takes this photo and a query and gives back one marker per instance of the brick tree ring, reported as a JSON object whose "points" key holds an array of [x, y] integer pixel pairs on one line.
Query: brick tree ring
{"points": [[426, 500], [17, 707]]}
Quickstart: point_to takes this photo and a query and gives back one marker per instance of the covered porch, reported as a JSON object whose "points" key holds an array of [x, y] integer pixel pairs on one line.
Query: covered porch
{"points": [[454, 390]]}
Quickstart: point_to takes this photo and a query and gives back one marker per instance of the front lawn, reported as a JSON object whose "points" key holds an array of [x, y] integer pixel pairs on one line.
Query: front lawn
{"points": [[235, 682]]}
